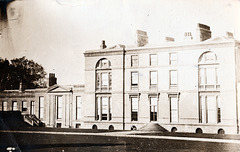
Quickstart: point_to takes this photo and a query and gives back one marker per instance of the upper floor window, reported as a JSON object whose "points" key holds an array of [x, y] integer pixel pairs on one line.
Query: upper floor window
{"points": [[172, 58], [134, 79], [134, 61], [103, 76], [173, 78], [208, 72], [153, 79], [153, 59]]}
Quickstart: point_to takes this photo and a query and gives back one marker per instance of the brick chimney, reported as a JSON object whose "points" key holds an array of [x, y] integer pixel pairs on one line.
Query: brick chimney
{"points": [[52, 79], [188, 36], [103, 45], [203, 32], [169, 39], [142, 38]]}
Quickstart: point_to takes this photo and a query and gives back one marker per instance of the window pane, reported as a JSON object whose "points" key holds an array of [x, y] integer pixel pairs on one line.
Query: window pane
{"points": [[59, 107], [134, 78], [105, 79], [173, 77], [210, 75], [41, 106], [14, 108], [202, 76], [4, 106], [32, 107], [153, 78], [104, 108], [135, 104], [153, 59], [78, 107], [98, 108], [24, 106], [173, 58], [134, 112], [174, 109], [211, 106], [134, 60]]}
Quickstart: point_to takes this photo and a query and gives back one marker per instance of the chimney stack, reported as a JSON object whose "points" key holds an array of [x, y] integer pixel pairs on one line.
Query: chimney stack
{"points": [[169, 39], [103, 45], [188, 36], [203, 32], [229, 34], [52, 79], [142, 38]]}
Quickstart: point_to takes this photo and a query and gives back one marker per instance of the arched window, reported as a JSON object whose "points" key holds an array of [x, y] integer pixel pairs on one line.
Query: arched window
{"points": [[209, 102], [208, 71], [103, 76], [103, 103]]}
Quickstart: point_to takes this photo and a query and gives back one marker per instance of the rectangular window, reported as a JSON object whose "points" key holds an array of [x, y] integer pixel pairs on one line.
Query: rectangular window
{"points": [[59, 107], [134, 78], [173, 78], [104, 108], [172, 58], [14, 106], [78, 107], [210, 76], [134, 107], [98, 108], [153, 77], [153, 108], [153, 59], [110, 108], [32, 108], [41, 107], [4, 106], [134, 61], [24, 106], [202, 76], [104, 79], [173, 109], [218, 110], [211, 109]]}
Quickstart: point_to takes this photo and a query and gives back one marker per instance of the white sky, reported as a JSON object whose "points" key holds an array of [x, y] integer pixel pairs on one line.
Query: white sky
{"points": [[55, 33]]}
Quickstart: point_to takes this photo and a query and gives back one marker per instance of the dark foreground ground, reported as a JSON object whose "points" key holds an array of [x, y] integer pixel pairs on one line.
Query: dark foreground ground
{"points": [[97, 141]]}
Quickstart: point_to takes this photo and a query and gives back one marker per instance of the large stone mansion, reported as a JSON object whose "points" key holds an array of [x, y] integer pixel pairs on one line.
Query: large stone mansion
{"points": [[192, 86]]}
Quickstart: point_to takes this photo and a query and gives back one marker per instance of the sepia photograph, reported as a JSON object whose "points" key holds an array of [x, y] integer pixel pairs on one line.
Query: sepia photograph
{"points": [[119, 75]]}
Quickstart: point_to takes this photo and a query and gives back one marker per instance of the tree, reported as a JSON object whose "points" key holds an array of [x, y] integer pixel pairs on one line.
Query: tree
{"points": [[21, 71]]}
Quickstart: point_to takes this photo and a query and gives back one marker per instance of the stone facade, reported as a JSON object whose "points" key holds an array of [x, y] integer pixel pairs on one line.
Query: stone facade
{"points": [[191, 86]]}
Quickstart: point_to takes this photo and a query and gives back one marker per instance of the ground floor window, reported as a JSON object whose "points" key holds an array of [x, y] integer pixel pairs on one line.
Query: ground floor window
{"points": [[134, 108], [103, 107], [173, 108], [4, 106], [14, 106], [41, 107], [153, 108], [24, 106], [78, 107], [59, 107], [32, 108], [209, 108]]}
